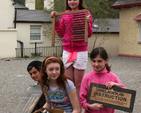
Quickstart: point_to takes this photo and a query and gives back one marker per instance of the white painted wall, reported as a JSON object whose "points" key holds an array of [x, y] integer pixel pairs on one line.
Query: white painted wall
{"points": [[8, 35], [24, 35], [8, 43], [6, 14], [30, 4]]}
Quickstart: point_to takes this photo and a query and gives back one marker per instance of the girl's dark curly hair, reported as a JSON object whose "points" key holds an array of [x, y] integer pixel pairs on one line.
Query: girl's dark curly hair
{"points": [[61, 80]]}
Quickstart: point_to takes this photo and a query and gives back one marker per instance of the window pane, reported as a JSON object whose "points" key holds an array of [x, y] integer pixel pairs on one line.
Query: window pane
{"points": [[35, 30], [35, 33]]}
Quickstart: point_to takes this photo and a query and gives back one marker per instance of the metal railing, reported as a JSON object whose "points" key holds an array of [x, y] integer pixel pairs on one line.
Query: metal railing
{"points": [[39, 51]]}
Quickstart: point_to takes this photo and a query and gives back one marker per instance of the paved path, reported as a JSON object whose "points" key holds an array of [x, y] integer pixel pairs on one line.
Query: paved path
{"points": [[14, 80]]}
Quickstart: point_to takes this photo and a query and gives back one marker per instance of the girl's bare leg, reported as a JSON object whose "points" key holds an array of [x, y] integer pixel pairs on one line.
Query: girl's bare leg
{"points": [[69, 72], [78, 75]]}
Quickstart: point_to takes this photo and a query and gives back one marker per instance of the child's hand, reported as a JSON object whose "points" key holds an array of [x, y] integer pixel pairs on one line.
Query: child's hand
{"points": [[52, 14], [109, 85], [88, 18], [95, 106]]}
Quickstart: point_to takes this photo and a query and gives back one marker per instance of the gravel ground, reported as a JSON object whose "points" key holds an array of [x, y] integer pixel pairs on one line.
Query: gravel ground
{"points": [[14, 79]]}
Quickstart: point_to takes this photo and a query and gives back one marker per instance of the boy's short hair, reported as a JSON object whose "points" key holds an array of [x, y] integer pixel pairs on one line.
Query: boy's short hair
{"points": [[36, 64]]}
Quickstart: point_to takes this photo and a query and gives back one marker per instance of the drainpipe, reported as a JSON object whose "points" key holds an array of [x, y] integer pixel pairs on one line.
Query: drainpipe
{"points": [[35, 48], [21, 43], [15, 18]]}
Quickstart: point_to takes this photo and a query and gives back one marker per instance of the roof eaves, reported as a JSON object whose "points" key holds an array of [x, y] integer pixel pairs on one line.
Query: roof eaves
{"points": [[33, 21], [20, 6], [105, 32], [125, 5]]}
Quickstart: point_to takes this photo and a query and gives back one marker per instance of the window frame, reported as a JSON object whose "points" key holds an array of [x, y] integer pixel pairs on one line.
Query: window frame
{"points": [[139, 33], [38, 27]]}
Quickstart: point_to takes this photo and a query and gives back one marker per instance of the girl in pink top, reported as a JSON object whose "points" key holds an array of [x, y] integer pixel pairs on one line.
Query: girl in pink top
{"points": [[101, 75], [75, 55]]}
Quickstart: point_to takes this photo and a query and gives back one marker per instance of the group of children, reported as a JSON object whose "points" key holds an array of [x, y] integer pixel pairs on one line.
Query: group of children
{"points": [[62, 81], [60, 91]]}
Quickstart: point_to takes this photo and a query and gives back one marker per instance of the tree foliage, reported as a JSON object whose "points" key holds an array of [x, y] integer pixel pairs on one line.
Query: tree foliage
{"points": [[101, 8], [59, 5], [39, 5], [98, 8]]}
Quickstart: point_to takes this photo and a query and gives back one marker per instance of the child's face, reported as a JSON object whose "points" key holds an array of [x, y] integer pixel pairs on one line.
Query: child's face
{"points": [[34, 73], [98, 63], [73, 4], [53, 71]]}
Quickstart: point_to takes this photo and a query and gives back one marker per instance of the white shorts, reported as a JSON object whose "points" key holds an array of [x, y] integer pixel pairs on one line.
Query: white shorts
{"points": [[80, 63]]}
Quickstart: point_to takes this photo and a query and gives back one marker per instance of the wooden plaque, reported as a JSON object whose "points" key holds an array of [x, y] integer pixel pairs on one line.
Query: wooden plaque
{"points": [[117, 98], [50, 110], [78, 30]]}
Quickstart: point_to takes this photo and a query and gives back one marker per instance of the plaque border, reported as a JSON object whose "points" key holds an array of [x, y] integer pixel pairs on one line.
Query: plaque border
{"points": [[132, 92]]}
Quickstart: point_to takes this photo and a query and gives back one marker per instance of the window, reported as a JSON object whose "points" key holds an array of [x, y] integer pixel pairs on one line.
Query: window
{"points": [[35, 33], [139, 33]]}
